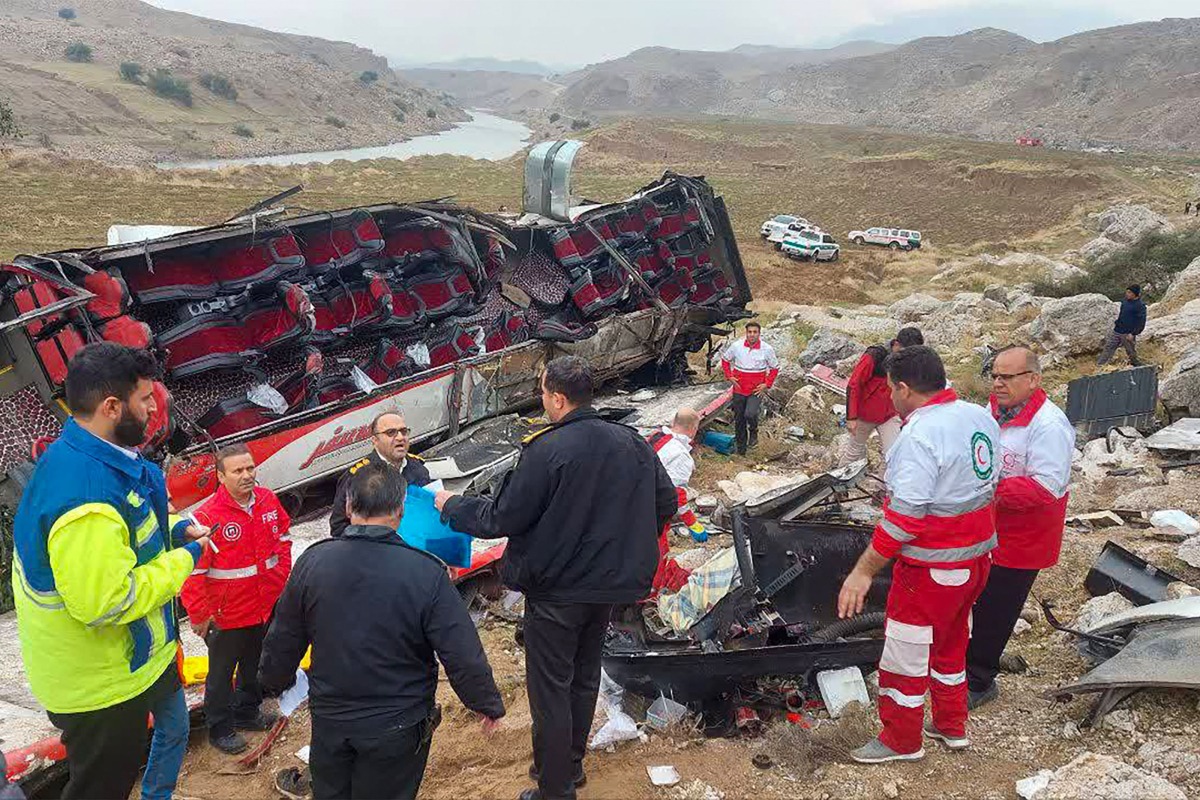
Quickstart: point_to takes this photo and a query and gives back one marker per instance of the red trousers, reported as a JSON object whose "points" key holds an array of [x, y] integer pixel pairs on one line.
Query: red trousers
{"points": [[925, 649]]}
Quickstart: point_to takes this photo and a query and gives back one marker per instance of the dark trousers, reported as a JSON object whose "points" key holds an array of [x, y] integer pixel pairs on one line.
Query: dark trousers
{"points": [[107, 747], [383, 766], [563, 644], [226, 704], [995, 614], [1114, 341], [746, 410]]}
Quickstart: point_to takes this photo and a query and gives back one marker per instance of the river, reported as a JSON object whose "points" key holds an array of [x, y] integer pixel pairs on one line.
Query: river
{"points": [[484, 136]]}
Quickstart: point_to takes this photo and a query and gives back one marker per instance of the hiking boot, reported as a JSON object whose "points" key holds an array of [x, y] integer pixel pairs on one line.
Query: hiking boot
{"points": [[876, 752], [952, 742], [976, 699], [230, 743], [580, 777], [293, 783], [263, 722]]}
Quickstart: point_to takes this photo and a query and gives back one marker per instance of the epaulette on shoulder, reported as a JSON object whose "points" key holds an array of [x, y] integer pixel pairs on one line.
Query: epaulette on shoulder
{"points": [[359, 465], [529, 439], [414, 457]]}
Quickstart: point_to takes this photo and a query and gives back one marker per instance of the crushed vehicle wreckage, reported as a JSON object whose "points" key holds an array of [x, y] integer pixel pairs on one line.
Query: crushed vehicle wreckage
{"points": [[290, 333], [778, 625]]}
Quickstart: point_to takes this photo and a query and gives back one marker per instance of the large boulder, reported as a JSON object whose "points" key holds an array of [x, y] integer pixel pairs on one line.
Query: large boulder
{"points": [[1185, 286], [1091, 776], [914, 308], [827, 347], [1181, 386], [1036, 266], [1126, 223], [1098, 249], [1178, 332], [1073, 326]]}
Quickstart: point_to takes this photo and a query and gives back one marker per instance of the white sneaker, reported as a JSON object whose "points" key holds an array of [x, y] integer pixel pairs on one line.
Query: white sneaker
{"points": [[953, 742], [876, 752]]}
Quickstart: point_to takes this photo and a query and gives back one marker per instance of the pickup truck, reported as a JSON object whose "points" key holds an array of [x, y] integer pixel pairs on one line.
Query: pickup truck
{"points": [[812, 245], [777, 224]]}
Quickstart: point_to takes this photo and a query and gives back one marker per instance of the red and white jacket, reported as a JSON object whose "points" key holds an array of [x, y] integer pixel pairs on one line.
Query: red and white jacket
{"points": [[941, 478], [868, 396], [750, 366], [1036, 448], [675, 452], [238, 586]]}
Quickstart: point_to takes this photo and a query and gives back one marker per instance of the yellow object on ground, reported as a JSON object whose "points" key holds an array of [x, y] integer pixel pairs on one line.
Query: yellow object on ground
{"points": [[195, 668]]}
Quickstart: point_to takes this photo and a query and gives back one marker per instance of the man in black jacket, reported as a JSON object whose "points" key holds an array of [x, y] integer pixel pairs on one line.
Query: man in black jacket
{"points": [[375, 611], [582, 511], [1131, 321], [389, 437]]}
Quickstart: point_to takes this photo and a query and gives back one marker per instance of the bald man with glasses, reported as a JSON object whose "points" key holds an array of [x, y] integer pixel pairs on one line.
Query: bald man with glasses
{"points": [[1036, 445], [389, 437]]}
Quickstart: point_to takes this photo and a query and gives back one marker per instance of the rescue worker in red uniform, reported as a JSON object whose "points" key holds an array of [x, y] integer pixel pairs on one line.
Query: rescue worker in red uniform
{"points": [[1037, 443], [869, 399], [939, 524], [673, 446], [753, 367], [231, 595]]}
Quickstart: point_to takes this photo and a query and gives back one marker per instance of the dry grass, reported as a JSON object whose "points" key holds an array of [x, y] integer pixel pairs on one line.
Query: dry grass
{"points": [[802, 751]]}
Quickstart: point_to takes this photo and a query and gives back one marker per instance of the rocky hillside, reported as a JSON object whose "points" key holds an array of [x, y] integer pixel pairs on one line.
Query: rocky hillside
{"points": [[289, 93], [1134, 85], [512, 93]]}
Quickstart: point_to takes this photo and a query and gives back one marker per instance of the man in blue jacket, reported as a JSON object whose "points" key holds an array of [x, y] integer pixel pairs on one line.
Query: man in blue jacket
{"points": [[1131, 321]]}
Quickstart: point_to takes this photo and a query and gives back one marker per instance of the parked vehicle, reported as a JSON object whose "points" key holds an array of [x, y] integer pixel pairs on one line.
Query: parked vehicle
{"points": [[777, 237], [779, 223], [893, 238], [811, 246]]}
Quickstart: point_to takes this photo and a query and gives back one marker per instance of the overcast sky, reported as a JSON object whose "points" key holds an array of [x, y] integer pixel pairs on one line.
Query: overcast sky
{"points": [[577, 32]]}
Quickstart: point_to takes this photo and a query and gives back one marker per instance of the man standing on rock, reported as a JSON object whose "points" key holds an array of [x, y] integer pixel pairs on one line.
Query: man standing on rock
{"points": [[582, 511], [869, 399], [752, 366], [1036, 446], [939, 524], [1131, 321]]}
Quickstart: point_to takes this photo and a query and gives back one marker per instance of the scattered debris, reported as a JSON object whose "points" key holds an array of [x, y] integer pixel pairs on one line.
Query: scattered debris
{"points": [[841, 687], [706, 502], [1175, 518], [1022, 627], [1070, 731], [1096, 520], [1126, 398], [1092, 776], [1119, 570], [762, 761], [749, 485], [1183, 435], [663, 776], [665, 713], [1123, 720], [698, 790]]}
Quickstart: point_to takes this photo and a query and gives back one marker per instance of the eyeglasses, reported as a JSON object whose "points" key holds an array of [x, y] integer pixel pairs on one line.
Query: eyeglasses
{"points": [[392, 433], [1000, 376]]}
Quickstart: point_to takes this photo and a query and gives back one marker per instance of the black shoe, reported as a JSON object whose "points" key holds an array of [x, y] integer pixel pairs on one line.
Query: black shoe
{"points": [[293, 783], [230, 744], [580, 776], [753, 440], [530, 794], [976, 699], [263, 722]]}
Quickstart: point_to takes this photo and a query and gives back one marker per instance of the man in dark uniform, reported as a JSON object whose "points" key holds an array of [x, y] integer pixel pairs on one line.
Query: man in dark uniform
{"points": [[389, 435], [376, 613], [582, 511]]}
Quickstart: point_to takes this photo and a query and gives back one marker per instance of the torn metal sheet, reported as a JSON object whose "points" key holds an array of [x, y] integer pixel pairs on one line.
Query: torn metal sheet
{"points": [[1183, 608], [1118, 570], [1115, 399], [548, 179], [789, 502], [826, 378], [1183, 435], [709, 399], [1163, 654]]}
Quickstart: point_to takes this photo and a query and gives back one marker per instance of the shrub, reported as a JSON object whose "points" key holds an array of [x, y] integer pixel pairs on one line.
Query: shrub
{"points": [[400, 116], [66, 13], [219, 85], [243, 131], [368, 77], [431, 113], [580, 124], [403, 106], [1152, 262], [164, 84], [131, 71], [555, 117], [335, 122], [9, 129], [79, 52]]}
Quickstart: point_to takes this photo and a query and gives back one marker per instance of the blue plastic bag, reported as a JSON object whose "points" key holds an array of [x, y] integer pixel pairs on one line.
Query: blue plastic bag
{"points": [[422, 527]]}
